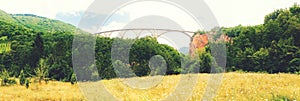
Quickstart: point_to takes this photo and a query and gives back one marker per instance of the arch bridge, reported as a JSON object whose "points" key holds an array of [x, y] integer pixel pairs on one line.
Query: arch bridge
{"points": [[139, 32]]}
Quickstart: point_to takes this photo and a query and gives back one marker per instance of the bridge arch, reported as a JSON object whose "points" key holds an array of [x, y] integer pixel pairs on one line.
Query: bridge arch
{"points": [[138, 31]]}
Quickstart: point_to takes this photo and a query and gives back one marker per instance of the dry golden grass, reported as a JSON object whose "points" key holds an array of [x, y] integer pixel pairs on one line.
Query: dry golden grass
{"points": [[235, 86], [54, 91], [256, 87]]}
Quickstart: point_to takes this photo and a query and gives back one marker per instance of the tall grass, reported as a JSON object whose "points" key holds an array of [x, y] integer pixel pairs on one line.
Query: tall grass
{"points": [[235, 86]]}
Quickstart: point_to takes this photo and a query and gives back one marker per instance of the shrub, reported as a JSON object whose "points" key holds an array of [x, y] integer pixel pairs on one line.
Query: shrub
{"points": [[22, 78], [122, 70], [8, 82], [240, 71], [4, 77], [73, 79], [11, 82], [27, 82], [297, 72], [47, 80], [3, 81], [281, 98], [41, 72], [95, 76]]}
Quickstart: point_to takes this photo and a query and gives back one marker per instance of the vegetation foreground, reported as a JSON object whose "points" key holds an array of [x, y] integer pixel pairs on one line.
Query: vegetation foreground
{"points": [[235, 86]]}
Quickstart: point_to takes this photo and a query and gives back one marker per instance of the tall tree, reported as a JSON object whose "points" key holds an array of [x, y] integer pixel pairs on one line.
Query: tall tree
{"points": [[37, 51]]}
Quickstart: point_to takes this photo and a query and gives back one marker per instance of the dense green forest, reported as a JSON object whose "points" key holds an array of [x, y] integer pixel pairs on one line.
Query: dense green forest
{"points": [[271, 47], [33, 38], [33, 46]]}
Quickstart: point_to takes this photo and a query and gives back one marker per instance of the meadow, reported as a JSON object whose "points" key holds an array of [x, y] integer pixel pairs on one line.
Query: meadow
{"points": [[235, 87]]}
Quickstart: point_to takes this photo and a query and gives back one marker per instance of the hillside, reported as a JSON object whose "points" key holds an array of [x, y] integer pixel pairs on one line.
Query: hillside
{"points": [[25, 38], [6, 17], [36, 23], [42, 24]]}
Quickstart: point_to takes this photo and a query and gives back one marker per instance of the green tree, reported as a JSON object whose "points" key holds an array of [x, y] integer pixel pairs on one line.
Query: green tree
{"points": [[37, 51], [122, 70], [41, 72]]}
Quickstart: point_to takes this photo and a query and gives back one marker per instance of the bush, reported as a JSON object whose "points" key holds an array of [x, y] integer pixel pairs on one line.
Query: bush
{"points": [[27, 82], [22, 78], [189, 65], [240, 71], [73, 79], [5, 81], [122, 70], [297, 72], [95, 76], [41, 71], [281, 98], [11, 82], [8, 82], [47, 80]]}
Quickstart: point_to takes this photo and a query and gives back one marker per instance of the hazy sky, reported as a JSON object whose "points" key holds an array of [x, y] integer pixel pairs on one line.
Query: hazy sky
{"points": [[228, 12]]}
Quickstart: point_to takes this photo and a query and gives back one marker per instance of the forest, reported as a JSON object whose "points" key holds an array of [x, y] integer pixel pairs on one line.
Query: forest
{"points": [[33, 46], [272, 47]]}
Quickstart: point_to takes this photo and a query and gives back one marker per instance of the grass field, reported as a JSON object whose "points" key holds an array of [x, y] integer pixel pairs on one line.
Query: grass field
{"points": [[40, 92], [234, 87]]}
